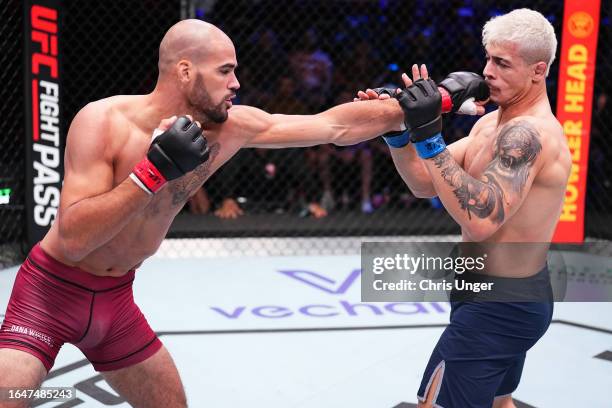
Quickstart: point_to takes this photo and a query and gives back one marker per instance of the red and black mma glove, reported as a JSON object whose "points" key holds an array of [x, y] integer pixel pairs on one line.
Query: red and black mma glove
{"points": [[422, 106], [177, 151], [461, 86]]}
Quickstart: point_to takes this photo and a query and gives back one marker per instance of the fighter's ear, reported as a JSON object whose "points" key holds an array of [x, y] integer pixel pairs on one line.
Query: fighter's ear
{"points": [[184, 70], [539, 70]]}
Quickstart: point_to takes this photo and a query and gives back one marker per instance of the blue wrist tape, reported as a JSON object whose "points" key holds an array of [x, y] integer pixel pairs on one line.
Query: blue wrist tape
{"points": [[398, 141], [431, 147]]}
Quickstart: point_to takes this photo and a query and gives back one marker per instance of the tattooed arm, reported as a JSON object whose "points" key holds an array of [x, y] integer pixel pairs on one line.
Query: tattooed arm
{"points": [[413, 170], [481, 206], [415, 173]]}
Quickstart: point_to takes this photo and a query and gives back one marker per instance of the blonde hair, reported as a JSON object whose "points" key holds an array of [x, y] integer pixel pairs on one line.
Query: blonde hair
{"points": [[530, 30]]}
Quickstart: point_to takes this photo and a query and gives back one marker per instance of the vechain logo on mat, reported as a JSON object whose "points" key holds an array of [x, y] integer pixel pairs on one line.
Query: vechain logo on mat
{"points": [[331, 289], [323, 282]]}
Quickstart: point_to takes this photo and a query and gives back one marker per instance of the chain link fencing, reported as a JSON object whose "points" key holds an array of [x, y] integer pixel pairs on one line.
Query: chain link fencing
{"points": [[110, 48], [598, 220], [295, 57], [12, 130], [301, 57]]}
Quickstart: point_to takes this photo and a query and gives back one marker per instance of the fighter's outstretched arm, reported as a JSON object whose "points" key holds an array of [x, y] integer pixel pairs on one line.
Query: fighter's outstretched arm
{"points": [[345, 124]]}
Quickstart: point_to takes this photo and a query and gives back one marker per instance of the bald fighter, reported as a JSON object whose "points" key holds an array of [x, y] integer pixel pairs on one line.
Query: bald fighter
{"points": [[121, 192], [504, 183]]}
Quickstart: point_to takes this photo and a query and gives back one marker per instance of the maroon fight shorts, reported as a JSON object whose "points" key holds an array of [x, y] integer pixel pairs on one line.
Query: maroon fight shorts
{"points": [[52, 304]]}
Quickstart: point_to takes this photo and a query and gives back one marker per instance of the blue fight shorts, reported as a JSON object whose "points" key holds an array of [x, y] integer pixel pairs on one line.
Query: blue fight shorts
{"points": [[482, 351]]}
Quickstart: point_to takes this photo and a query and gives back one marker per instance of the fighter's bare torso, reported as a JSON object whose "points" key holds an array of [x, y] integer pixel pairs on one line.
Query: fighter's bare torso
{"points": [[536, 218], [131, 138], [543, 201]]}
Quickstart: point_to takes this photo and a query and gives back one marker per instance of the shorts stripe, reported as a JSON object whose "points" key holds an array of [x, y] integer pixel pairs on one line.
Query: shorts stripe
{"points": [[28, 345]]}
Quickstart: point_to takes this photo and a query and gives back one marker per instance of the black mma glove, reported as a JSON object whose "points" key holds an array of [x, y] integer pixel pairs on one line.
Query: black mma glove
{"points": [[177, 151], [421, 103]]}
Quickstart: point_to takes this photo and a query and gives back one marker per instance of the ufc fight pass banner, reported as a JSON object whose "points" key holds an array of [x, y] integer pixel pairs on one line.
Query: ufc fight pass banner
{"points": [[44, 166], [574, 107]]}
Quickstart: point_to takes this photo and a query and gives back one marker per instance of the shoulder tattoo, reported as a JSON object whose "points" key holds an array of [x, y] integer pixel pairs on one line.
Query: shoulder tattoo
{"points": [[516, 149]]}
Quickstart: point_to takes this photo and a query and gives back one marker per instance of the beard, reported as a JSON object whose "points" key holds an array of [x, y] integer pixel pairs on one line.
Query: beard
{"points": [[202, 102], [217, 114]]}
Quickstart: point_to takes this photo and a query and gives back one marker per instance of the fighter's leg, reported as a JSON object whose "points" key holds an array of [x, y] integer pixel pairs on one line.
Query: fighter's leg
{"points": [[470, 362], [130, 357], [33, 329], [461, 380], [152, 383], [19, 370]]}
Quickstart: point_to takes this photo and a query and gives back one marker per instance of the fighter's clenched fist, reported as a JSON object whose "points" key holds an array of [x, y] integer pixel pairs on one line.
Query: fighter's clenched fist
{"points": [[179, 148]]}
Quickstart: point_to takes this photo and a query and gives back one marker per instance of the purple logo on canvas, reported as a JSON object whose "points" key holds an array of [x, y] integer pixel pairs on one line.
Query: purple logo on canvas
{"points": [[324, 309], [323, 282]]}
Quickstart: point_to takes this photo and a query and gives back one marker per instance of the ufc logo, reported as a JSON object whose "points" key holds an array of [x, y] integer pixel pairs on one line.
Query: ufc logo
{"points": [[44, 32]]}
